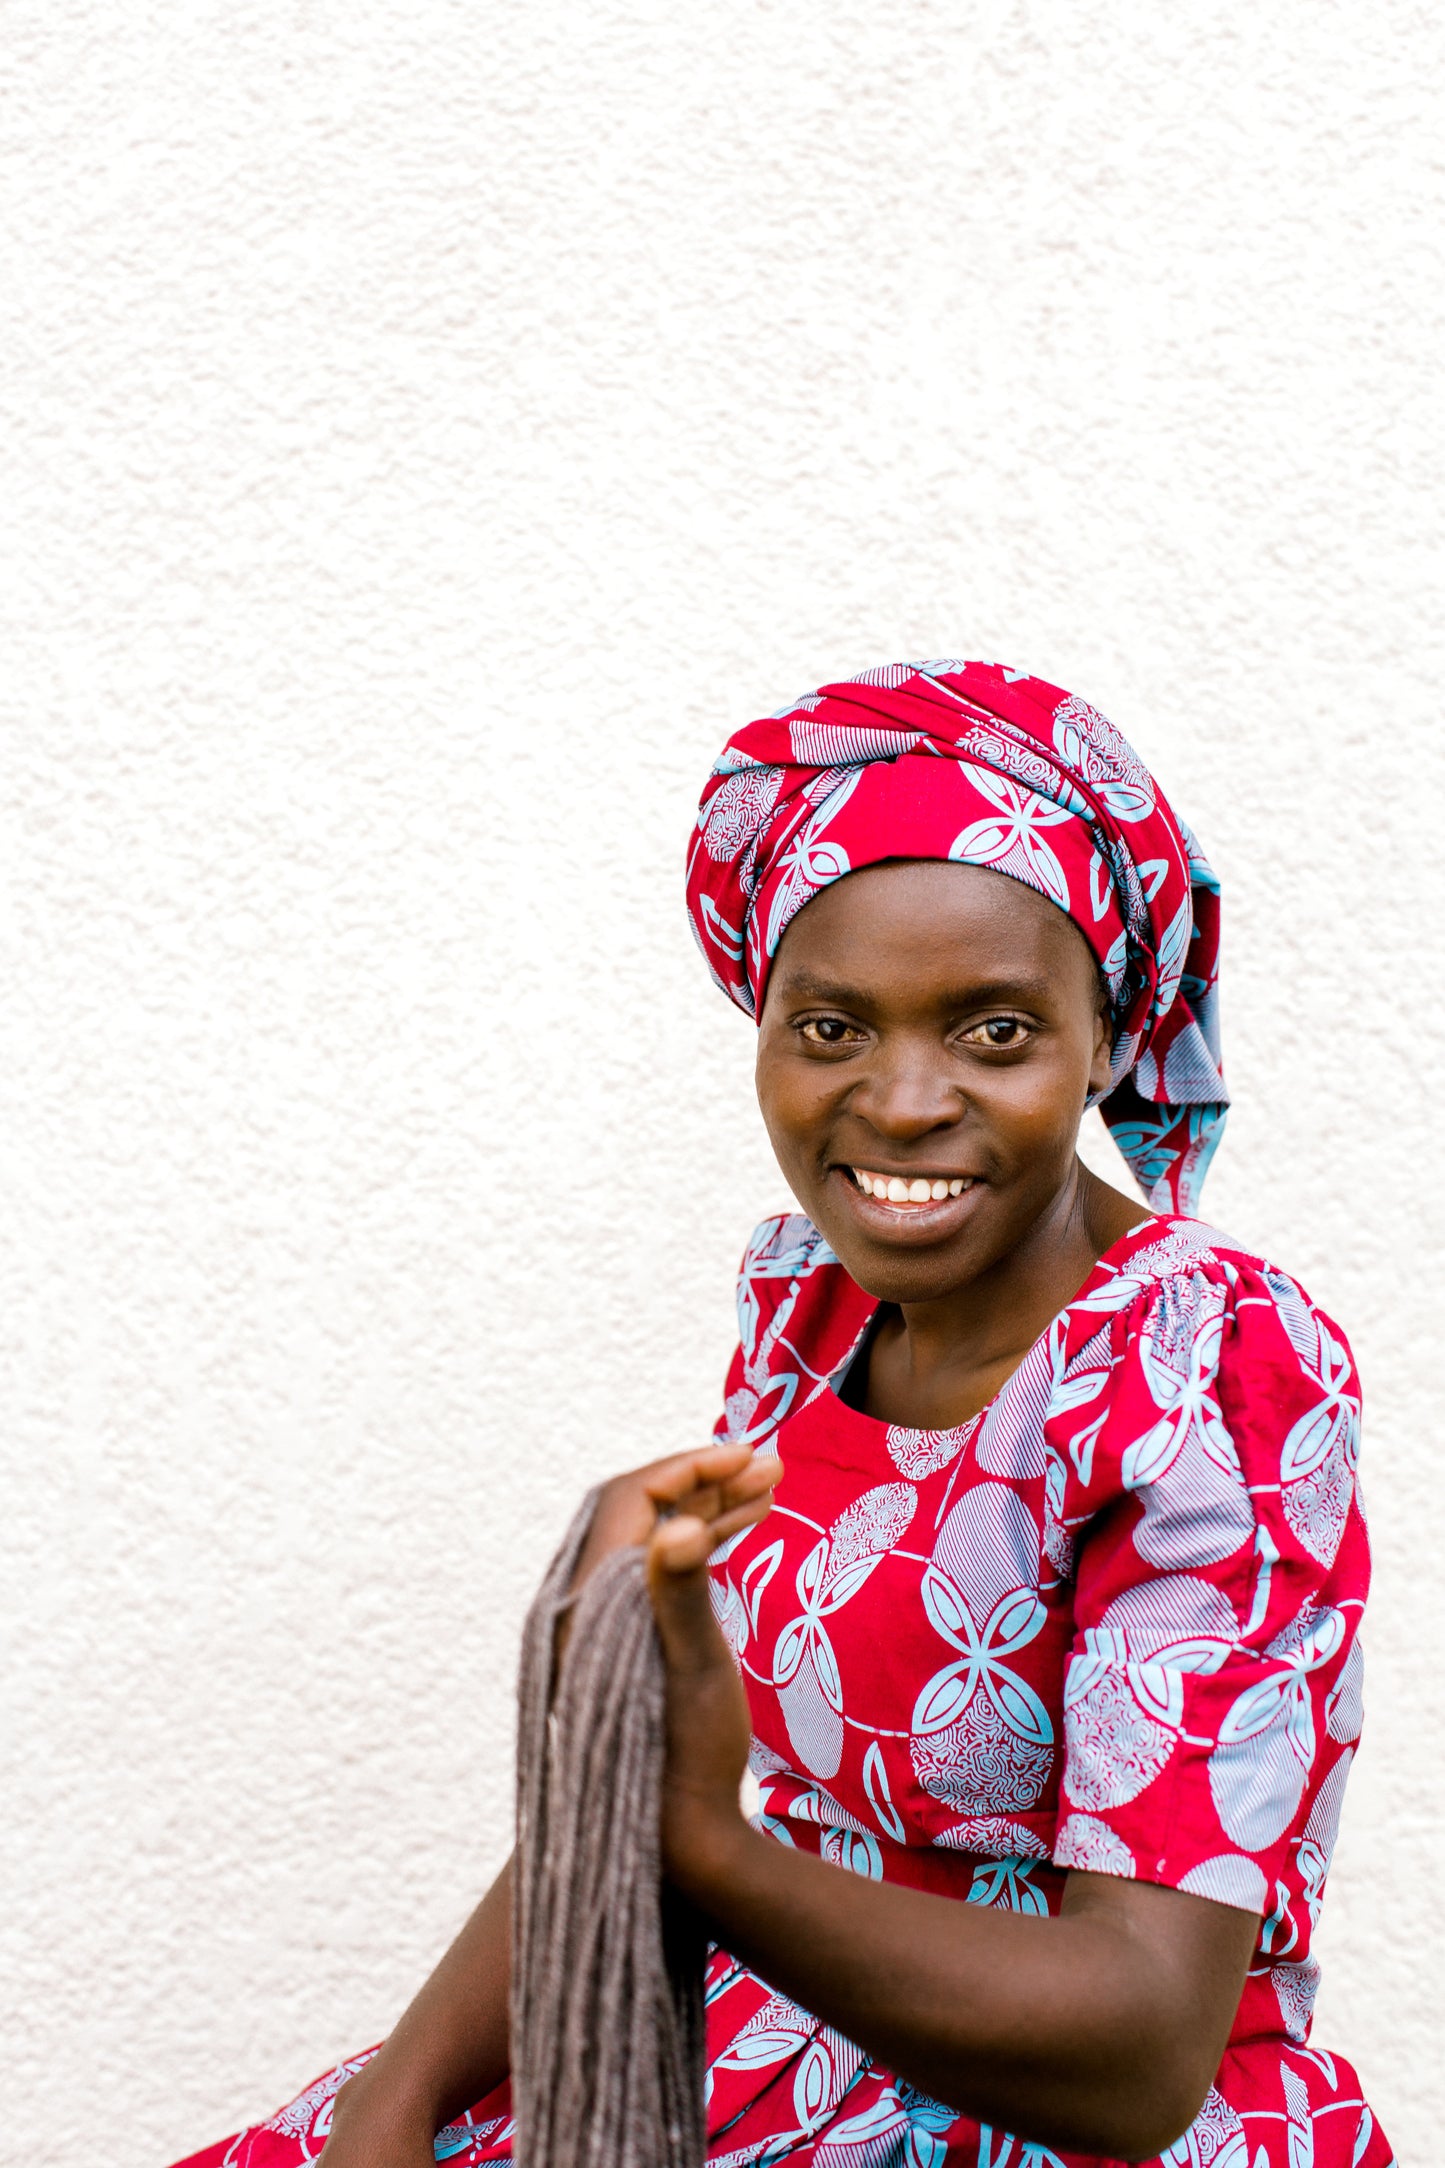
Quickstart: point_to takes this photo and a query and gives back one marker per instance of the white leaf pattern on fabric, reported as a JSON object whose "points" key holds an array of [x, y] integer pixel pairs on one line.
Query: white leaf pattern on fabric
{"points": [[857, 1850], [1011, 842], [1266, 1743], [995, 1836], [1322, 1451], [1215, 2139], [1197, 1507], [818, 1806], [727, 1609], [827, 2069], [869, 2140], [880, 1796], [737, 809], [1321, 1832], [1345, 1702], [1011, 1441], [1301, 2121], [1005, 1883], [772, 2035], [810, 861], [1103, 757], [1124, 1692], [981, 1735], [1229, 1879], [815, 1723], [1092, 1846], [805, 1670], [1058, 1537], [920, 1453], [1295, 1987]]}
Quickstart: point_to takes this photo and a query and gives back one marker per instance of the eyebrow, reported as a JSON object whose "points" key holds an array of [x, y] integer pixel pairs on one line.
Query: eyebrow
{"points": [[808, 986]]}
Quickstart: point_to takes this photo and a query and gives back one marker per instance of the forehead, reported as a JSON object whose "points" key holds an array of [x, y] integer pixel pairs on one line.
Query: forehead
{"points": [[923, 925]]}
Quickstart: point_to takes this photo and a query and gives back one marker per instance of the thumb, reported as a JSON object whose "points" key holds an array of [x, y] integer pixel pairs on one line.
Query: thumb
{"points": [[677, 1580]]}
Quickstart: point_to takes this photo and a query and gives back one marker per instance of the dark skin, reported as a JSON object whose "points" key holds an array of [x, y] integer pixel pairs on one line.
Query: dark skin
{"points": [[922, 1021]]}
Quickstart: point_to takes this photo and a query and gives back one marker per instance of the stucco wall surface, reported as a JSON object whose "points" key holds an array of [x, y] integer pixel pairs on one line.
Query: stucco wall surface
{"points": [[427, 428]]}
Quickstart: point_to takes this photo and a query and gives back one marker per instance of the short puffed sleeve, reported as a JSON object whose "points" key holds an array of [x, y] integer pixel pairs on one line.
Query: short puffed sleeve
{"points": [[1202, 1442]]}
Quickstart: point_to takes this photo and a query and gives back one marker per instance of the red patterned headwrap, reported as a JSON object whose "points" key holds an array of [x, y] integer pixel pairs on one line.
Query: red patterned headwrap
{"points": [[980, 764]]}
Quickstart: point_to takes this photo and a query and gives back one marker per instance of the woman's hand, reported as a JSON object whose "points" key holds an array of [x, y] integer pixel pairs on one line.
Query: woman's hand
{"points": [[708, 1725], [682, 1508], [723, 1487]]}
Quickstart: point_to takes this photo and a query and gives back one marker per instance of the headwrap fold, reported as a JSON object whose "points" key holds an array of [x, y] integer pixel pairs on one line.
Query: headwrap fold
{"points": [[980, 764]]}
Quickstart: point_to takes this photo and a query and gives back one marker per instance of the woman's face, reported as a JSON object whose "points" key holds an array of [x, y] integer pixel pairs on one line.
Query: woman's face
{"points": [[929, 1023]]}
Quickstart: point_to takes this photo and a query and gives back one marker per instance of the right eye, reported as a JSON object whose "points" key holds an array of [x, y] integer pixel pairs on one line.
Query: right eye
{"points": [[829, 1031]]}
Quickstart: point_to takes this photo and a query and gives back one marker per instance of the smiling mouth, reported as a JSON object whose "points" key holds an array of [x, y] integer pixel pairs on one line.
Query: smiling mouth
{"points": [[910, 1193]]}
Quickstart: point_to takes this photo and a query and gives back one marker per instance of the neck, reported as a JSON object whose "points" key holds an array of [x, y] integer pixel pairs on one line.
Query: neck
{"points": [[936, 1363]]}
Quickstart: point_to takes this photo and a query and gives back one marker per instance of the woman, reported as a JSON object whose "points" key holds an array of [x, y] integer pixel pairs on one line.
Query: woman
{"points": [[1034, 1558]]}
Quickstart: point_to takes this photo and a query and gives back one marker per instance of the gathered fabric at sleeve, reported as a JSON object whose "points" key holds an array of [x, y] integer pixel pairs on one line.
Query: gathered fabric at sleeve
{"points": [[1202, 1445]]}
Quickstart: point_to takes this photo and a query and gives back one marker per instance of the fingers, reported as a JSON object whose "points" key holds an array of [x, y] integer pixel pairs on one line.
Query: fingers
{"points": [[725, 1486], [714, 1484], [682, 1545], [684, 1542], [682, 1606], [721, 1467]]}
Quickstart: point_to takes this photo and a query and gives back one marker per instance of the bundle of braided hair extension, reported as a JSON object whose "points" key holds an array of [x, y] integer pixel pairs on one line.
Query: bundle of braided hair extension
{"points": [[607, 1966]]}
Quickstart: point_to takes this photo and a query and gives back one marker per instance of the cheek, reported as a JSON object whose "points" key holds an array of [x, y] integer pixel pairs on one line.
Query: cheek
{"points": [[798, 1104], [1041, 1102], [787, 1103]]}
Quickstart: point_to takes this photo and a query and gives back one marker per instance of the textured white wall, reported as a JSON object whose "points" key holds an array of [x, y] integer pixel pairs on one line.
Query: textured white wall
{"points": [[428, 427]]}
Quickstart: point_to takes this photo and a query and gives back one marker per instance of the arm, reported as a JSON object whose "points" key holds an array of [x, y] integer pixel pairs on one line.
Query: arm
{"points": [[1098, 2031], [452, 2045], [447, 2050]]}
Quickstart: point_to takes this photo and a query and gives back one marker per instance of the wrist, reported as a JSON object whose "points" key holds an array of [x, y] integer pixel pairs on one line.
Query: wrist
{"points": [[707, 1846]]}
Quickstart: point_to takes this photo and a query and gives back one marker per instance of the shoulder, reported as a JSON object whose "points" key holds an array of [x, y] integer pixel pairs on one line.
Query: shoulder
{"points": [[799, 1315], [786, 1246], [1224, 1398], [1176, 1269], [787, 1269]]}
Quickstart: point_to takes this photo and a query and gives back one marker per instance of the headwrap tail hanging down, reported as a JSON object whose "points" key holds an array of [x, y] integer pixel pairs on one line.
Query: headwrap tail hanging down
{"points": [[972, 762]]}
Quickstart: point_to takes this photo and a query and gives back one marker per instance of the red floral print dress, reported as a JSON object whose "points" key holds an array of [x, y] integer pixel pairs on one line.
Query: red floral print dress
{"points": [[1109, 1623]]}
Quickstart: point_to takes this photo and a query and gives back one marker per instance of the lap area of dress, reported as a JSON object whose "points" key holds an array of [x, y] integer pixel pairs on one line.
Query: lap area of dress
{"points": [[785, 2089]]}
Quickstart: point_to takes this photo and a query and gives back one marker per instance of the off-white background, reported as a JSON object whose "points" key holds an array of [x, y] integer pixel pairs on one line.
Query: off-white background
{"points": [[427, 428]]}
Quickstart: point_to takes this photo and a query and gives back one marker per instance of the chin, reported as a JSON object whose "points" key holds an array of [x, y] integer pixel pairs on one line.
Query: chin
{"points": [[922, 1274], [918, 1279]]}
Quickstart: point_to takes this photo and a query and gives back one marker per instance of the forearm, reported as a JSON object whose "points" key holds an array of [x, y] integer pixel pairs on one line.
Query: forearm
{"points": [[1068, 2029], [450, 2046]]}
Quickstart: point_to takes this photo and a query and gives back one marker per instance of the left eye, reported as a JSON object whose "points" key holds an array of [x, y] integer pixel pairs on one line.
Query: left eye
{"points": [[1003, 1032]]}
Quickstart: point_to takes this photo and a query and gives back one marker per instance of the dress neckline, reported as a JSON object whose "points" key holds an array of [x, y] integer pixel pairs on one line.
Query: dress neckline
{"points": [[1105, 1265]]}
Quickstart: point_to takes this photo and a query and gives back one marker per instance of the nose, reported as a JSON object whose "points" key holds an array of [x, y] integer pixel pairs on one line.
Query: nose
{"points": [[907, 1092]]}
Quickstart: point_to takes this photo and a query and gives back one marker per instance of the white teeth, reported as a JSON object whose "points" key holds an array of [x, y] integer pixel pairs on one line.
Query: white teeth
{"points": [[923, 1189]]}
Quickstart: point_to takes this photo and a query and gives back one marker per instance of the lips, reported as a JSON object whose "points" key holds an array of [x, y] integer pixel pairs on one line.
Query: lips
{"points": [[931, 1206]]}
